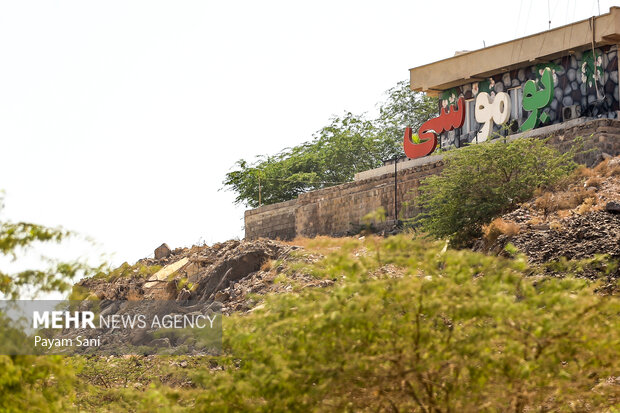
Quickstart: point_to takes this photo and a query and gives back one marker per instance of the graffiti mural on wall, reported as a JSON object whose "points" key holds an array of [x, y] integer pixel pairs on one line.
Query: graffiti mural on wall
{"points": [[448, 120], [534, 100], [523, 99]]}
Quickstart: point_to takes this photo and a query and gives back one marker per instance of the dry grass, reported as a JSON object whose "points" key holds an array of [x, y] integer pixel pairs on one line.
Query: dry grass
{"points": [[544, 202], [594, 181], [324, 244], [588, 205], [609, 167], [535, 221], [555, 225], [267, 266], [571, 198], [564, 214], [497, 227]]}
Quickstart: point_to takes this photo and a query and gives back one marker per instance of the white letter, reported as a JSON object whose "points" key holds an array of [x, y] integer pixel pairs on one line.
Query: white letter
{"points": [[57, 319], [87, 319], [72, 319], [196, 320], [211, 320], [38, 320], [488, 112]]}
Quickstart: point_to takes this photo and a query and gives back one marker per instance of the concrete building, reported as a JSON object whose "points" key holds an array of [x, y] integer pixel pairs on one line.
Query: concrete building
{"points": [[582, 58], [561, 83]]}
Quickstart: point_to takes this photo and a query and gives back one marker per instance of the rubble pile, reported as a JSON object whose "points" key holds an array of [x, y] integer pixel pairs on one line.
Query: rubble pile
{"points": [[232, 272], [547, 232], [574, 238]]}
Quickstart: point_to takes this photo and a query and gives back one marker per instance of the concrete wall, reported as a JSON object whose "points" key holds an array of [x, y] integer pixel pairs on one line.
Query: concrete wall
{"points": [[339, 210]]}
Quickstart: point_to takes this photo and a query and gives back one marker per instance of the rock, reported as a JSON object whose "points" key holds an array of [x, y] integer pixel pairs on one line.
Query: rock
{"points": [[613, 207], [221, 296], [609, 88], [558, 94], [573, 62], [567, 101], [552, 116], [165, 273], [184, 295], [515, 83], [574, 85], [163, 251], [554, 104], [583, 89], [521, 75], [591, 99], [499, 87], [568, 90], [614, 76], [160, 342], [572, 74], [139, 337], [506, 78]]}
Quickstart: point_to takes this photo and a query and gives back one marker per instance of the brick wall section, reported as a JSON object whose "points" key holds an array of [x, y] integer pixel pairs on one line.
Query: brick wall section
{"points": [[271, 221], [601, 136], [336, 210], [339, 209]]}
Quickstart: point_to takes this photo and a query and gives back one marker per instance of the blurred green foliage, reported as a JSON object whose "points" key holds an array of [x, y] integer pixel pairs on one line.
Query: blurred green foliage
{"points": [[410, 325]]}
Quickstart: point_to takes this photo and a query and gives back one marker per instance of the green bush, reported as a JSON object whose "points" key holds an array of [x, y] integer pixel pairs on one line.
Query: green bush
{"points": [[445, 331], [481, 182]]}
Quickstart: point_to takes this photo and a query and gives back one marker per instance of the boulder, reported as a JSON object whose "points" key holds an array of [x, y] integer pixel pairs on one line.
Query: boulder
{"points": [[613, 207], [163, 251]]}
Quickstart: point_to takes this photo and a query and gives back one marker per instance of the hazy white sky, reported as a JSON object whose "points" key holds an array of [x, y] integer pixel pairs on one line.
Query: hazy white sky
{"points": [[119, 119]]}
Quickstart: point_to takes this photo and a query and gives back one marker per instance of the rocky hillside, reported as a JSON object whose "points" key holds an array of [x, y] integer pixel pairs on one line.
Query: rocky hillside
{"points": [[579, 219]]}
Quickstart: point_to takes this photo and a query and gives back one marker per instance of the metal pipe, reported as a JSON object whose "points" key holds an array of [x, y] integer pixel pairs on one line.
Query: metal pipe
{"points": [[396, 188]]}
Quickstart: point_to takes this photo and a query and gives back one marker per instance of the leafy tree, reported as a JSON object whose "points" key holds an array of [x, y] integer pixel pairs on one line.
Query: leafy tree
{"points": [[480, 182], [349, 144], [27, 382], [23, 236], [404, 108]]}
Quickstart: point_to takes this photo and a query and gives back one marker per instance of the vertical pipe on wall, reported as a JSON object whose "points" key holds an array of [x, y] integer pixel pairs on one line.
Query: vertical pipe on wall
{"points": [[396, 188], [598, 93]]}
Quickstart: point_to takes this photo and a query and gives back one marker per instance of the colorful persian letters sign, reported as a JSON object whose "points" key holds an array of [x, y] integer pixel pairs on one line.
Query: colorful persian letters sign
{"points": [[488, 111]]}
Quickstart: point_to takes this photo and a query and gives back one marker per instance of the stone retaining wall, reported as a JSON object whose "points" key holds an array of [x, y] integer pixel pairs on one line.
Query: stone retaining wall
{"points": [[339, 210]]}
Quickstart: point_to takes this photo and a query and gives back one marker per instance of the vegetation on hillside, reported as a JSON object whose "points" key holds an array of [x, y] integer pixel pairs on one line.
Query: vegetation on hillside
{"points": [[481, 182], [349, 144], [409, 325]]}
